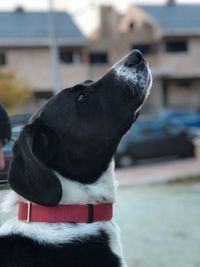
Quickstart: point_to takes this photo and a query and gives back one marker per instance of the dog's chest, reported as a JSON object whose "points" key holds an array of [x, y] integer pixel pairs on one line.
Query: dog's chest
{"points": [[18, 251]]}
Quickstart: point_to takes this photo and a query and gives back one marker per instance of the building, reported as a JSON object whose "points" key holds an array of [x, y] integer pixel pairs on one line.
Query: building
{"points": [[178, 53], [168, 36], [25, 50]]}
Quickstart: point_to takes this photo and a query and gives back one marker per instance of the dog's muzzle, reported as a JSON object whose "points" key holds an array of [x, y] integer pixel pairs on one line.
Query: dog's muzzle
{"points": [[134, 59]]}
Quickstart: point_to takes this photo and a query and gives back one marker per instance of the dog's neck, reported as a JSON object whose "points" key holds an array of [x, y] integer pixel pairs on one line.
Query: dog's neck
{"points": [[102, 191]]}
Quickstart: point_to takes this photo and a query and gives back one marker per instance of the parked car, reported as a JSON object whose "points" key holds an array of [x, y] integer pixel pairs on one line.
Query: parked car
{"points": [[17, 122], [188, 121], [153, 138], [8, 153], [194, 132], [20, 119], [4, 172], [183, 117], [172, 113]]}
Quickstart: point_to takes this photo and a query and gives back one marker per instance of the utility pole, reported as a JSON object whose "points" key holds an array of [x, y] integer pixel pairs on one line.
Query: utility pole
{"points": [[54, 49]]}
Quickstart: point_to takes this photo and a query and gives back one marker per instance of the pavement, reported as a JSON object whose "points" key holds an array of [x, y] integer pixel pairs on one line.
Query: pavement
{"points": [[161, 171], [160, 224]]}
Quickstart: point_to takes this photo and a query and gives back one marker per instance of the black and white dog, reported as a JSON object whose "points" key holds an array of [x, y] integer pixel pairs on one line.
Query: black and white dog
{"points": [[64, 157]]}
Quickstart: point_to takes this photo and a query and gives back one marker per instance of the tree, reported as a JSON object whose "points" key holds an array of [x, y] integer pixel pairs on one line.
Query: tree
{"points": [[12, 91]]}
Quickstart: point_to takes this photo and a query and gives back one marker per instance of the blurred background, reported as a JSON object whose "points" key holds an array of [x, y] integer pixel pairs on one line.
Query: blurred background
{"points": [[47, 45]]}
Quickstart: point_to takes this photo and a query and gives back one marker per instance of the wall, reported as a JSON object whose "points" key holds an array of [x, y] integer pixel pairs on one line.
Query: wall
{"points": [[182, 64], [33, 66], [180, 96]]}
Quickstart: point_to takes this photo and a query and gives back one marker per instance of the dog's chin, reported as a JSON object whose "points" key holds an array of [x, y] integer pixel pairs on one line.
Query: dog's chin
{"points": [[149, 82]]}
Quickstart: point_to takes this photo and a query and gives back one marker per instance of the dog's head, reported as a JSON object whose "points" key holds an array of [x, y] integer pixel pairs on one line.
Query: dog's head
{"points": [[77, 132]]}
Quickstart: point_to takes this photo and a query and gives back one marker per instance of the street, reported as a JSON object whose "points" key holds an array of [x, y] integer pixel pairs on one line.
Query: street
{"points": [[159, 171]]}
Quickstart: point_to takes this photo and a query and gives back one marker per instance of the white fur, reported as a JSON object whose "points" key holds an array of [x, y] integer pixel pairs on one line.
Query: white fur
{"points": [[141, 78], [150, 83], [135, 77], [58, 233], [102, 191]]}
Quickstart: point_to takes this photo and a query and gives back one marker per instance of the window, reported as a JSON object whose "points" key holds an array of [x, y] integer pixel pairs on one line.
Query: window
{"points": [[98, 58], [43, 94], [144, 48], [131, 26], [184, 83], [176, 46], [2, 58], [69, 57], [66, 56]]}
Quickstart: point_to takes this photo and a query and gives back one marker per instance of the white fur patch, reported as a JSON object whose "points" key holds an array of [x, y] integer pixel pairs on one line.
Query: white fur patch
{"points": [[102, 191], [48, 233], [8, 206], [141, 78]]}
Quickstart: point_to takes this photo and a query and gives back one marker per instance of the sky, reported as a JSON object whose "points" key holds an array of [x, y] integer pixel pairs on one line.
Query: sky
{"points": [[84, 11], [75, 4]]}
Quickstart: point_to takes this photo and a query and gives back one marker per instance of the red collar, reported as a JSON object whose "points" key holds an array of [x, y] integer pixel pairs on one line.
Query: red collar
{"points": [[29, 212]]}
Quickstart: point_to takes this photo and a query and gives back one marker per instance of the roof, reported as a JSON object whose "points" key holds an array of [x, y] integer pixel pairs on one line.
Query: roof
{"points": [[176, 19], [31, 28]]}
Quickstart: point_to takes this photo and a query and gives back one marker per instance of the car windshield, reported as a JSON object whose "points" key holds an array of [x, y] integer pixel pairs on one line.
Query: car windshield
{"points": [[153, 126], [148, 126]]}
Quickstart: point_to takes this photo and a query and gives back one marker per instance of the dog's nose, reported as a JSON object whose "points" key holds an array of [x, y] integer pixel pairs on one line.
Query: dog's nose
{"points": [[134, 58]]}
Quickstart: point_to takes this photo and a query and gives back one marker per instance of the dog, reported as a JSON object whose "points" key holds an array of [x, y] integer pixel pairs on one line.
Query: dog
{"points": [[63, 159]]}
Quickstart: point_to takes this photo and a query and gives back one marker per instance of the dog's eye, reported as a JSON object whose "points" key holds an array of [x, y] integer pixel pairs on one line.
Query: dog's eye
{"points": [[80, 97], [44, 139]]}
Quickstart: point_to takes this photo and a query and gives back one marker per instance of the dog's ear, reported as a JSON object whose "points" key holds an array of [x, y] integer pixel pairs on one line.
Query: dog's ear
{"points": [[29, 174]]}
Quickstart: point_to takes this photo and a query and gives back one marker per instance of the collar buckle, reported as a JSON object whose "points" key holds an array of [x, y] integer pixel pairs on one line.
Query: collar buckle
{"points": [[28, 217]]}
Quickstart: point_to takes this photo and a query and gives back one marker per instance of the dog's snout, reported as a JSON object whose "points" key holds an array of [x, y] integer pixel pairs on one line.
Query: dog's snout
{"points": [[134, 58]]}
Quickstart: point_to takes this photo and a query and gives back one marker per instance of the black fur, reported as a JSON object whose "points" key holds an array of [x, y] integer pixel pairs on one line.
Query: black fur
{"points": [[29, 176], [18, 251]]}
